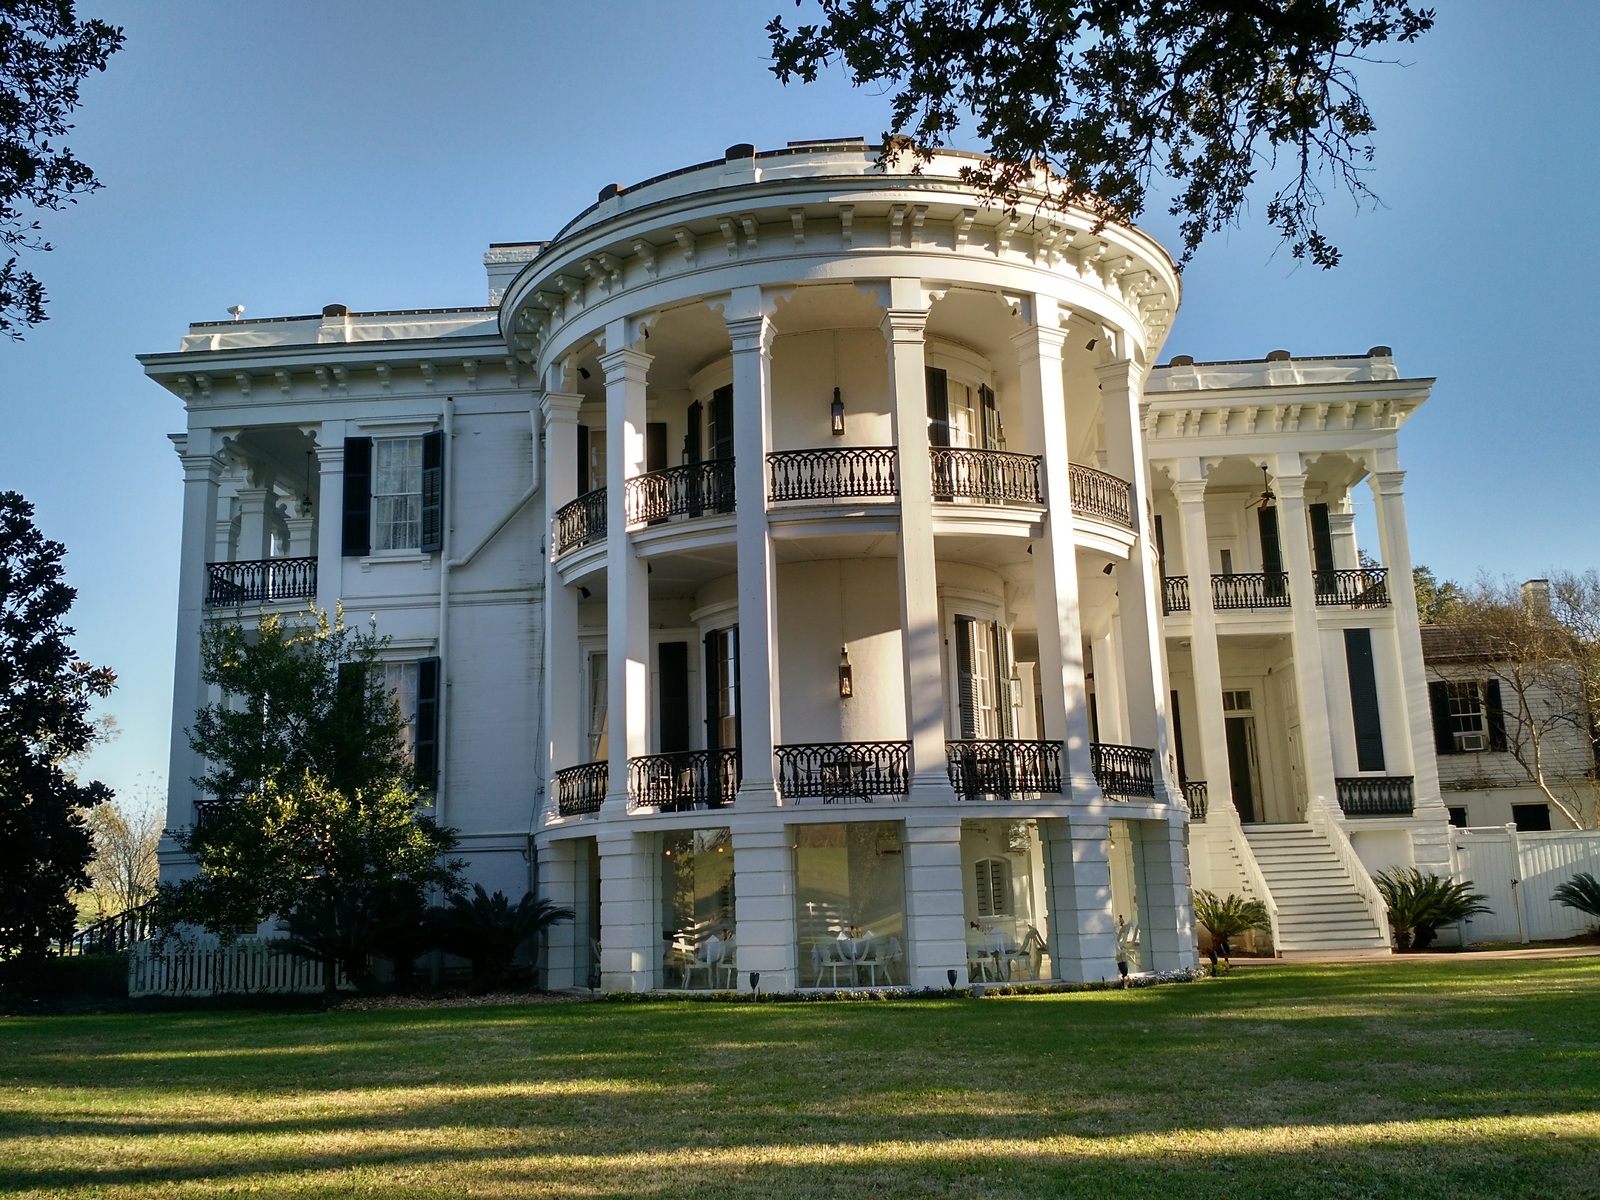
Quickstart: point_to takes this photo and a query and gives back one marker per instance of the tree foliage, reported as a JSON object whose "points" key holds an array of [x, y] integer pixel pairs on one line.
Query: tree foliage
{"points": [[1114, 94], [489, 930], [124, 871], [315, 816], [45, 695], [45, 54], [1226, 918], [1420, 904], [1438, 601], [1547, 659]]}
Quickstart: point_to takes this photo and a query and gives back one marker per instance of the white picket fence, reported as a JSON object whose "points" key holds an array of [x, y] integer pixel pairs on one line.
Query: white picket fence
{"points": [[1519, 872], [203, 968]]}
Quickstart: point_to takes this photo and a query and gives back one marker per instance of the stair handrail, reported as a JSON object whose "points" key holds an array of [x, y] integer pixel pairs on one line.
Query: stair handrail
{"points": [[1320, 817], [1254, 878]]}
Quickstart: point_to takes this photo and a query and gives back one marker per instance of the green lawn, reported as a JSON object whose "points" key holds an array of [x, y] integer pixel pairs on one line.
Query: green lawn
{"points": [[1437, 1079]]}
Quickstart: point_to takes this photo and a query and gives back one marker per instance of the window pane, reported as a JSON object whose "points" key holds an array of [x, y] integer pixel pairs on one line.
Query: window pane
{"points": [[1005, 902], [399, 522], [850, 904], [697, 909], [400, 681], [397, 466]]}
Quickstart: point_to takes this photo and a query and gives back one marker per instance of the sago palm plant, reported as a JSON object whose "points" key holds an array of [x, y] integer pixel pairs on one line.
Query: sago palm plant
{"points": [[1581, 892], [1224, 918], [489, 930], [1419, 904]]}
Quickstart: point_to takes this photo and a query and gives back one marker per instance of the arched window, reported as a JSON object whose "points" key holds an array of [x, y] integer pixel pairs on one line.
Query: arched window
{"points": [[993, 879]]}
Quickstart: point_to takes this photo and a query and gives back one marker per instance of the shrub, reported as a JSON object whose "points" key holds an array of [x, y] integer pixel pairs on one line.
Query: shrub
{"points": [[489, 930], [1419, 904], [1224, 919], [1581, 892]]}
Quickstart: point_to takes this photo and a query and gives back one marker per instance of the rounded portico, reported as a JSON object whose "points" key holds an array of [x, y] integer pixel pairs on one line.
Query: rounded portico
{"points": [[852, 609]]}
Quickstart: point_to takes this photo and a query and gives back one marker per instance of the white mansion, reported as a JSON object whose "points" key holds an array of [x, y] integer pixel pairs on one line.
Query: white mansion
{"points": [[803, 570]]}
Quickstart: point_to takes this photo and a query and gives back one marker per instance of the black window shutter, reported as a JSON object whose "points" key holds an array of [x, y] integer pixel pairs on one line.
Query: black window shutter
{"points": [[691, 436], [432, 492], [1322, 545], [1161, 549], [1495, 713], [673, 709], [966, 677], [655, 446], [991, 417], [713, 740], [1364, 699], [938, 389], [357, 497], [425, 749], [1271, 549], [722, 422], [1444, 738], [583, 459], [1177, 737]]}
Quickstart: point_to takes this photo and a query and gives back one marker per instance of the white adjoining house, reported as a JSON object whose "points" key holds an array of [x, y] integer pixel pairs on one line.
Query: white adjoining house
{"points": [[801, 570]]}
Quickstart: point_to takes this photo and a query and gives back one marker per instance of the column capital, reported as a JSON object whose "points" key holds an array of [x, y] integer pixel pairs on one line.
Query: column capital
{"points": [[560, 407], [1124, 373], [1190, 491], [626, 364], [751, 333], [1039, 341], [1388, 483], [1289, 487], [199, 468], [904, 325]]}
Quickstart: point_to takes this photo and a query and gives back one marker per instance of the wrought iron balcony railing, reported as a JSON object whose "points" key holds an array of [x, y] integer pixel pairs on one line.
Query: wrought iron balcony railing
{"points": [[1258, 589], [1377, 795], [843, 772], [114, 934], [580, 523], [985, 476], [1000, 768], [683, 780], [263, 581], [1123, 771], [832, 472], [1194, 795], [1175, 593], [681, 493], [581, 790], [1364, 587], [1096, 494]]}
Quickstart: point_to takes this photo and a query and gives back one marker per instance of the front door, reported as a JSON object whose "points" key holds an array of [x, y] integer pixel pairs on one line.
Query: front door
{"points": [[1244, 773]]}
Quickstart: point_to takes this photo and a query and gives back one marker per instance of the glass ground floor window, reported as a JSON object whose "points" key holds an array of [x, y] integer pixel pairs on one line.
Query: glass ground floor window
{"points": [[850, 896], [1127, 886], [697, 903], [1005, 876]]}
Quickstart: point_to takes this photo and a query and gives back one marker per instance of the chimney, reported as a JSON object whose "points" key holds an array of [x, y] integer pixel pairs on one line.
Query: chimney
{"points": [[1536, 596]]}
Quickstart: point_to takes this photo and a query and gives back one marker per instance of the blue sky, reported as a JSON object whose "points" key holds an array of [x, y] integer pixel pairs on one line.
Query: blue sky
{"points": [[297, 154]]}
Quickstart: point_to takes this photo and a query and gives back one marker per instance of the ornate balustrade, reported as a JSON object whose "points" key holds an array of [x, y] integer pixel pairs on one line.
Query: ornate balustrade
{"points": [[1258, 589], [832, 472], [582, 789], [842, 772], [1096, 494], [114, 935], [681, 493], [986, 476], [1195, 796], [262, 581], [204, 810], [579, 523], [1377, 795], [1000, 768], [1123, 771], [1364, 587], [1175, 593], [683, 780]]}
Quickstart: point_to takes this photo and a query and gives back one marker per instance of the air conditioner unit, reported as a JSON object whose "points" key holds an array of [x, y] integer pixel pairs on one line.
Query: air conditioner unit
{"points": [[1472, 741]]}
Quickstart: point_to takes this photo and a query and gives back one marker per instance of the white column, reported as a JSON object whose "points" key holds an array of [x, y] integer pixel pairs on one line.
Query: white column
{"points": [[1083, 931], [255, 521], [1316, 739], [201, 471], [1110, 698], [1431, 844], [630, 918], [330, 529], [558, 881], [760, 707], [903, 325], [936, 923], [1055, 561], [627, 582], [564, 711], [1138, 579], [1342, 532], [301, 531], [1166, 904], [764, 915], [1205, 656]]}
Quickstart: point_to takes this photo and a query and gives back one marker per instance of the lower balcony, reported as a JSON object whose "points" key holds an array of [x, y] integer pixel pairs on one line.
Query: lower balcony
{"points": [[581, 790], [579, 523], [1003, 768], [1377, 795], [1124, 772], [843, 772], [683, 780], [832, 473], [263, 581], [1196, 798], [1254, 589], [984, 476]]}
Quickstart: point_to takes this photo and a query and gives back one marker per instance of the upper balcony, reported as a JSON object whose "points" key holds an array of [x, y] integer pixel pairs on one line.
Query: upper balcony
{"points": [[261, 581], [1363, 587]]}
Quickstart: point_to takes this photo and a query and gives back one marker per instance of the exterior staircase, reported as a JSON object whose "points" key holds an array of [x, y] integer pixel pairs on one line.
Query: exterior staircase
{"points": [[1319, 909]]}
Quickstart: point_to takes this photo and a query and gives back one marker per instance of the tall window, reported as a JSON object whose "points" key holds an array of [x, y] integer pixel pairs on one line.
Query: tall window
{"points": [[993, 887], [983, 707], [397, 493], [400, 681], [598, 708], [1467, 723]]}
